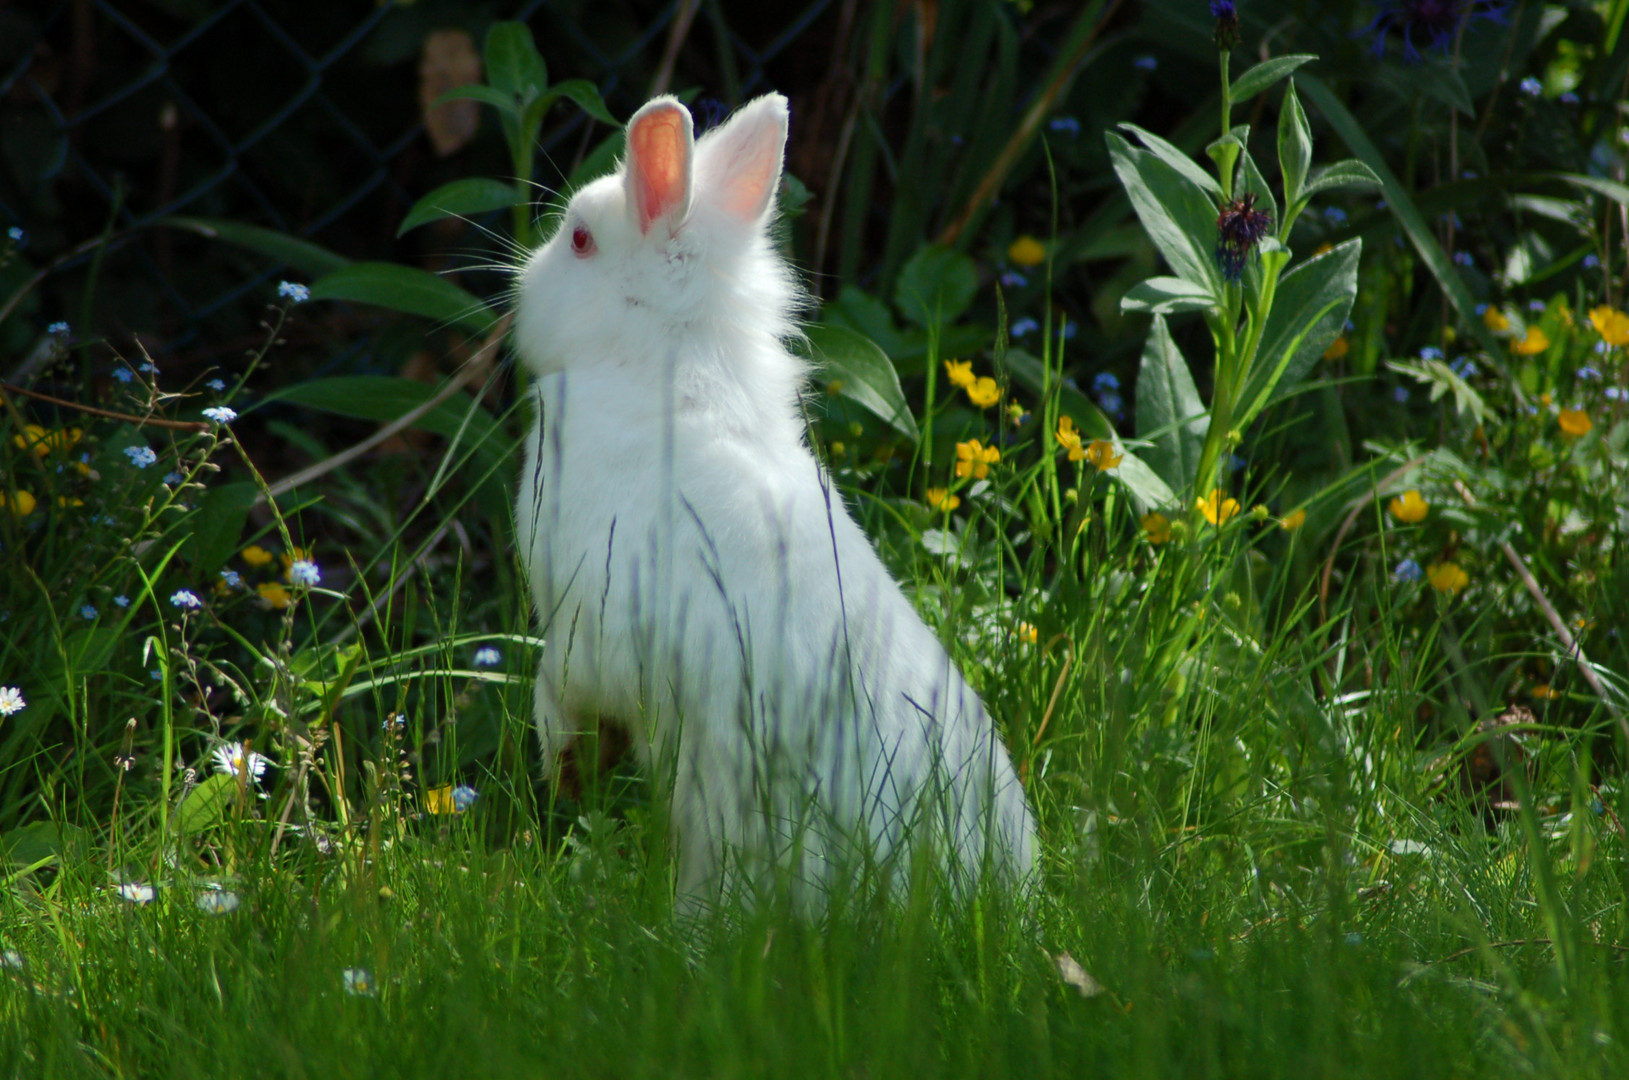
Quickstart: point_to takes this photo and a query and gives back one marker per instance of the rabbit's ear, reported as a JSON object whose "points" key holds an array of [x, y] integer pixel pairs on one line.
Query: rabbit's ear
{"points": [[657, 172], [738, 165]]}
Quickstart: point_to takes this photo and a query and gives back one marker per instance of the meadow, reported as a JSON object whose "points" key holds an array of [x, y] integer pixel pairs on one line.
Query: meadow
{"points": [[1240, 392]]}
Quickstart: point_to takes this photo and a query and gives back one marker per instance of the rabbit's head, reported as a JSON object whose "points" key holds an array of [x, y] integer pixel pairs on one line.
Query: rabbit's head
{"points": [[671, 250]]}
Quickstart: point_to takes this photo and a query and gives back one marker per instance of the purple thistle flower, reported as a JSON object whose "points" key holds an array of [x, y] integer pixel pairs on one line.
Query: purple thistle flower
{"points": [[1241, 227], [1431, 22], [1227, 24]]}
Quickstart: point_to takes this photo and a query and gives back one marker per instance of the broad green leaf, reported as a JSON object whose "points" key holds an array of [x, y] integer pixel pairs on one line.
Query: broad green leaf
{"points": [[1294, 145], [1600, 185], [206, 804], [406, 289], [1309, 310], [485, 94], [1169, 412], [587, 97], [302, 255], [936, 285], [1167, 296], [1148, 490], [1349, 173], [1402, 207], [513, 66], [857, 368], [217, 525], [1179, 216], [475, 195], [1265, 74], [486, 449], [1173, 156], [1440, 81]]}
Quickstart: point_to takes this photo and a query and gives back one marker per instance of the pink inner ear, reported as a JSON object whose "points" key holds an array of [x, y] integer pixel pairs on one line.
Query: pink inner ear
{"points": [[659, 163], [751, 179]]}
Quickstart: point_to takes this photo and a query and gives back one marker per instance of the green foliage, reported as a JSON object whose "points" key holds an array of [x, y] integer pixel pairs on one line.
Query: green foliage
{"points": [[1293, 818]]}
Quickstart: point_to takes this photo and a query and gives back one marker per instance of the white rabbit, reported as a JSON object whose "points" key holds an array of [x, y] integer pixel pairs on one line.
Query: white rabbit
{"points": [[698, 582]]}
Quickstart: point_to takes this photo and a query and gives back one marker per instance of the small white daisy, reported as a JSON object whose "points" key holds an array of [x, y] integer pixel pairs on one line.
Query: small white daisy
{"points": [[304, 572], [217, 901], [238, 760], [11, 700], [359, 981], [137, 892], [220, 414]]}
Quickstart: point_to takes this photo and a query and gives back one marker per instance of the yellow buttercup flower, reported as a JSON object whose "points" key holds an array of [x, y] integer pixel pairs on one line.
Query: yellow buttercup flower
{"points": [[1102, 456], [941, 499], [1533, 342], [255, 555], [1611, 324], [43, 440], [1293, 520], [984, 392], [1409, 507], [273, 595], [1496, 320], [1543, 691], [960, 372], [21, 504], [1217, 508], [1574, 422], [1027, 251], [1028, 634], [1069, 439], [1323, 249], [1337, 349], [974, 459], [1156, 528], [1447, 577]]}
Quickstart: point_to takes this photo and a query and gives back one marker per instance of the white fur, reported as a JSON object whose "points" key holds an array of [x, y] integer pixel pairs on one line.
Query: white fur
{"points": [[697, 580]]}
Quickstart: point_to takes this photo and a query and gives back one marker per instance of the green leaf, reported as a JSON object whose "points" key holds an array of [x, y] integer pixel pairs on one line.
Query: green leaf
{"points": [[513, 66], [1441, 81], [1294, 145], [857, 368], [217, 525], [485, 446], [206, 804], [587, 97], [1265, 74], [475, 195], [1442, 380], [1178, 215], [1167, 296], [1402, 207], [1348, 173], [406, 289], [1173, 156], [302, 255], [936, 285], [1169, 412], [504, 103], [1309, 310]]}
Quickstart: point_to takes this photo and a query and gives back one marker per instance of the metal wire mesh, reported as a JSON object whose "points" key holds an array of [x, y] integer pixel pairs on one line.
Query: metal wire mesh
{"points": [[298, 117]]}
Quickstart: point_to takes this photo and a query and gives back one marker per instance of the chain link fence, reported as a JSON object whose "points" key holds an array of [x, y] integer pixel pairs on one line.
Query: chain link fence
{"points": [[303, 118]]}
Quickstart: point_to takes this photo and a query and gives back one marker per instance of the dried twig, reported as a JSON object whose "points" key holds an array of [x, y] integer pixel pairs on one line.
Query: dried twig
{"points": [[472, 367]]}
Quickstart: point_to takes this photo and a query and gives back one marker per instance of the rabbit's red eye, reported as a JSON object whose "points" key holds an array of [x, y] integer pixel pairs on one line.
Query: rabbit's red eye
{"points": [[582, 241]]}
